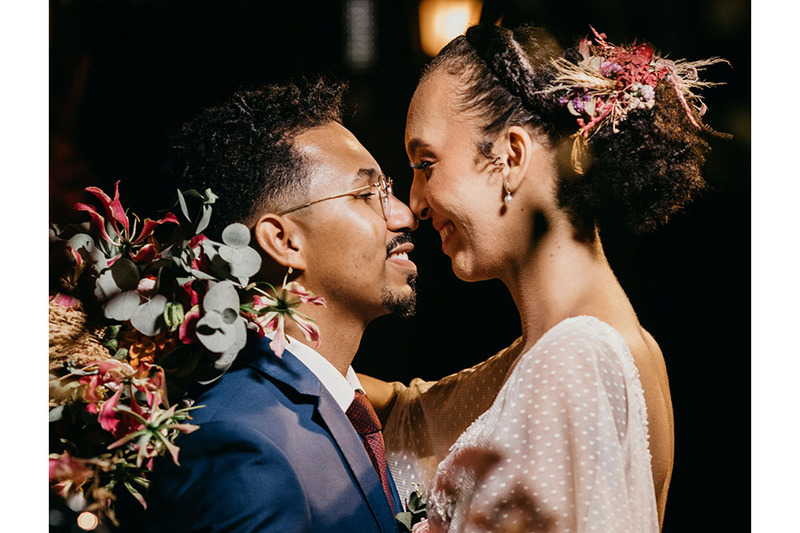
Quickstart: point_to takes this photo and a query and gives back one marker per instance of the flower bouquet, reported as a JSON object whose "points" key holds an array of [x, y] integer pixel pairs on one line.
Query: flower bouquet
{"points": [[145, 309]]}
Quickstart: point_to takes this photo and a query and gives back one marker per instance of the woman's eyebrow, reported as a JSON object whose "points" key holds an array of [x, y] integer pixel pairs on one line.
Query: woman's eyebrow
{"points": [[415, 144]]}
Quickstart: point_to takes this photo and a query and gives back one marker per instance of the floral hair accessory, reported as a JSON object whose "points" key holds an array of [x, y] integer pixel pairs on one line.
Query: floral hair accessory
{"points": [[610, 81], [137, 318]]}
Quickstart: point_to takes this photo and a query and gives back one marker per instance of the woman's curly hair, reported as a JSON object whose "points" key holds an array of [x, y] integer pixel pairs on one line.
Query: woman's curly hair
{"points": [[640, 176], [241, 148]]}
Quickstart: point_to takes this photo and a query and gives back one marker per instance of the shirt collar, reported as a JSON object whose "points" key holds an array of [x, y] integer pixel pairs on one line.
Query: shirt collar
{"points": [[342, 388]]}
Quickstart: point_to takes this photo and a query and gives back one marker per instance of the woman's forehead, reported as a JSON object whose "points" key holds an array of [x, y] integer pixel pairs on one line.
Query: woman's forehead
{"points": [[434, 109]]}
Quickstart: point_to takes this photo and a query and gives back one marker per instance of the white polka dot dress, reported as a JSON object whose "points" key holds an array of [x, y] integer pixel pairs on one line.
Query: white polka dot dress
{"points": [[563, 447]]}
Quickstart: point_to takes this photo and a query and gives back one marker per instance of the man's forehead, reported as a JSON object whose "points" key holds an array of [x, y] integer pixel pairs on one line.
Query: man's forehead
{"points": [[333, 151]]}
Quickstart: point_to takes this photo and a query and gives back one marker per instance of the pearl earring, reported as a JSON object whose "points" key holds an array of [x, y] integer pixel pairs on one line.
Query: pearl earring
{"points": [[508, 196]]}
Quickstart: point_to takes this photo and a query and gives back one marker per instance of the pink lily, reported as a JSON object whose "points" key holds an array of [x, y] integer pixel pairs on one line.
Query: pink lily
{"points": [[187, 332], [305, 295], [271, 311], [108, 412], [309, 329], [157, 425], [69, 473]]}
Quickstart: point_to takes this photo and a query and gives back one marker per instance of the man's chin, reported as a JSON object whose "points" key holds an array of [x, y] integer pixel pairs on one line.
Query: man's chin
{"points": [[402, 303]]}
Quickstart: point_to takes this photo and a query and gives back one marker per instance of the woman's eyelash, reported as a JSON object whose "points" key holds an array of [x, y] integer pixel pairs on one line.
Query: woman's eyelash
{"points": [[366, 195], [422, 165]]}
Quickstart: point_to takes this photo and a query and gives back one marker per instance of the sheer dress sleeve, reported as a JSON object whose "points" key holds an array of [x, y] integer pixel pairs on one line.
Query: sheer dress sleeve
{"points": [[428, 416], [563, 448]]}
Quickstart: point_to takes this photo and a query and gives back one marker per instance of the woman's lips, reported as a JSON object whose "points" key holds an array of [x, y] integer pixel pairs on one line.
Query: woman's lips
{"points": [[445, 231]]}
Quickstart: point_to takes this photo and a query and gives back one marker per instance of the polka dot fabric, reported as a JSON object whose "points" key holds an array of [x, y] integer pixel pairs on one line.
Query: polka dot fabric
{"points": [[563, 447]]}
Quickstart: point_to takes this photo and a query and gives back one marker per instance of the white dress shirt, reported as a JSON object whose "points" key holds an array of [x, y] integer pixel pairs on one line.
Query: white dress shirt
{"points": [[342, 388]]}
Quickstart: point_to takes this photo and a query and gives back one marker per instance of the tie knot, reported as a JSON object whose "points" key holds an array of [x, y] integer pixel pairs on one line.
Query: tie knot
{"points": [[362, 415]]}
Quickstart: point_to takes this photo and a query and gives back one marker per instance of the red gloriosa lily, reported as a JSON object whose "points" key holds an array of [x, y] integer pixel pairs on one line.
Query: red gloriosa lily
{"points": [[124, 234]]}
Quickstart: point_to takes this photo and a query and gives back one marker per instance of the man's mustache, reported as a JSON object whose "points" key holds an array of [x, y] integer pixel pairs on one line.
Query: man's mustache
{"points": [[397, 241]]}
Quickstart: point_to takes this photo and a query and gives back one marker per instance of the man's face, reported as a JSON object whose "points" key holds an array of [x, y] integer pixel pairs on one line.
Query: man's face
{"points": [[355, 258]]}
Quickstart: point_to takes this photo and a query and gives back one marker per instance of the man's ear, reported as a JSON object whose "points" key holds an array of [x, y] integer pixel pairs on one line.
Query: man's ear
{"points": [[281, 239]]}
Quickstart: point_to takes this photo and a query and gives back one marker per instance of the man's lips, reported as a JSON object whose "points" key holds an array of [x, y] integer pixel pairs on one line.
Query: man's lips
{"points": [[398, 251]]}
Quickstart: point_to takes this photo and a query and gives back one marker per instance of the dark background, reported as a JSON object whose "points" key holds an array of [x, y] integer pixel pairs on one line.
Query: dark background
{"points": [[126, 74]]}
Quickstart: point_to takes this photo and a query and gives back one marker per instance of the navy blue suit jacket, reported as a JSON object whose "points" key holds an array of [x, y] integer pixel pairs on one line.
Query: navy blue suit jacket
{"points": [[274, 452]]}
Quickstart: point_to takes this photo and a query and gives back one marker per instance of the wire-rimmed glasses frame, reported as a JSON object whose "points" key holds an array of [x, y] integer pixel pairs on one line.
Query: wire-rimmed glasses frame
{"points": [[384, 185]]}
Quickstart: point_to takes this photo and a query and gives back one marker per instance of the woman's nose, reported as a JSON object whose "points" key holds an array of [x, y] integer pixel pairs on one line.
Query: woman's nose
{"points": [[418, 202]]}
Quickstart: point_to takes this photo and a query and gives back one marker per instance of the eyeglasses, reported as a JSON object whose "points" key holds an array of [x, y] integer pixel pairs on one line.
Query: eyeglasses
{"points": [[384, 186]]}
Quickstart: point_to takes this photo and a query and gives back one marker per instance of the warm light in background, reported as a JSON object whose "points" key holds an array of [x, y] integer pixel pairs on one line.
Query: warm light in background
{"points": [[442, 20], [87, 521]]}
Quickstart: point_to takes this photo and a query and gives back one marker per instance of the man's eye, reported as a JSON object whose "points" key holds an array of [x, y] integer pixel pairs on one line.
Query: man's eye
{"points": [[366, 195]]}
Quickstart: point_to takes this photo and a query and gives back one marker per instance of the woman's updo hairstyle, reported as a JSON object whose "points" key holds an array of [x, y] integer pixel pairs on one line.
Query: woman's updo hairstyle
{"points": [[641, 175]]}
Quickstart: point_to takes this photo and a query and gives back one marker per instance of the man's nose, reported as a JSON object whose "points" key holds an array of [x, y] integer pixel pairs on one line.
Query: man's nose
{"points": [[401, 217]]}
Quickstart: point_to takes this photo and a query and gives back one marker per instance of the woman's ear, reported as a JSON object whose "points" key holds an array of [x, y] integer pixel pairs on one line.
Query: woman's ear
{"points": [[517, 149], [281, 239]]}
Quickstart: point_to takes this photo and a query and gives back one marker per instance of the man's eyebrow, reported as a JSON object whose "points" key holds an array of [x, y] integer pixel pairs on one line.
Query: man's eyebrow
{"points": [[415, 144], [362, 173]]}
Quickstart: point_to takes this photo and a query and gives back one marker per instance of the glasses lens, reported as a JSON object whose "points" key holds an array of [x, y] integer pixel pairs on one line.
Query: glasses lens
{"points": [[385, 191]]}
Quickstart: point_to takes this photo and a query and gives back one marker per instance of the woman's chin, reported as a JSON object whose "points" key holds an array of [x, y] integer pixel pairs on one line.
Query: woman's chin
{"points": [[466, 271]]}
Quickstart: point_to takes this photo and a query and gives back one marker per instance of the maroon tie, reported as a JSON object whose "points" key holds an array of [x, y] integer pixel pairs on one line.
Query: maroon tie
{"points": [[365, 420]]}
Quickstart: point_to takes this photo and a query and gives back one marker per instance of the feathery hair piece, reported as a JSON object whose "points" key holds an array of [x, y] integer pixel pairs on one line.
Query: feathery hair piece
{"points": [[611, 80]]}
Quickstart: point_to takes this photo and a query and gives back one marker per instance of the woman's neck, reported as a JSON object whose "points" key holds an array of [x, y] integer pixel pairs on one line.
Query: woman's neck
{"points": [[558, 277]]}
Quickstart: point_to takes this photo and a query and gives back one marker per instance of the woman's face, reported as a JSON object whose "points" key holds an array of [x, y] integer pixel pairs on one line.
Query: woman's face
{"points": [[454, 183]]}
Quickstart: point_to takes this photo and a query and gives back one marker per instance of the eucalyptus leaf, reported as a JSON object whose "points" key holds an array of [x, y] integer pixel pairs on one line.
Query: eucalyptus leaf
{"points": [[229, 315], [81, 241], [243, 262], [148, 317], [229, 356], [210, 249], [184, 208], [205, 218], [85, 245], [405, 519], [212, 319], [198, 274], [216, 339], [56, 413], [236, 235], [122, 306], [248, 263], [126, 274], [105, 287], [193, 193], [221, 296]]}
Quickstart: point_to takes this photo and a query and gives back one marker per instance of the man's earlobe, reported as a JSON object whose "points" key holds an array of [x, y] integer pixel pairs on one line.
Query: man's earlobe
{"points": [[281, 239]]}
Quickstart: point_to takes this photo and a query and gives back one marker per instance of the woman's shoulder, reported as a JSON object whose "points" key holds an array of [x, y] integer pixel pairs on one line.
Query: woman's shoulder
{"points": [[582, 334], [583, 344]]}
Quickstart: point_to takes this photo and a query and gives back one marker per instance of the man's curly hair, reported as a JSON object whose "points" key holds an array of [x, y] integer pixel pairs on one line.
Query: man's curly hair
{"points": [[639, 176], [242, 148]]}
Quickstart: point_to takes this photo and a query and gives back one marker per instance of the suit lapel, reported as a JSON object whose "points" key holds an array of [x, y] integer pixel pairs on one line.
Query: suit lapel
{"points": [[290, 371], [352, 448]]}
